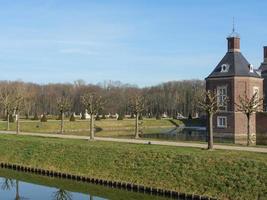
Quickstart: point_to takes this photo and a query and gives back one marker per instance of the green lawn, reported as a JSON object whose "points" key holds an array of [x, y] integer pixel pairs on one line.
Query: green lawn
{"points": [[221, 174], [81, 127]]}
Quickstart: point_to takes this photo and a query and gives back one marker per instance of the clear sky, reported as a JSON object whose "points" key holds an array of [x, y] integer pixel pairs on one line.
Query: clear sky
{"points": [[143, 42]]}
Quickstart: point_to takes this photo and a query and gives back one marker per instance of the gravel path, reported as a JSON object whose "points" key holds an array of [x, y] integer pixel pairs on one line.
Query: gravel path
{"points": [[140, 141]]}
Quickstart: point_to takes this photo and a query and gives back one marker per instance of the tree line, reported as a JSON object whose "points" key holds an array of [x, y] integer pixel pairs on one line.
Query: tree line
{"points": [[169, 98]]}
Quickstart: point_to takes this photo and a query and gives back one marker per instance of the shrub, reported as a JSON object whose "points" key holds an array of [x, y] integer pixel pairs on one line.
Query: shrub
{"points": [[97, 118], [190, 117], [158, 117], [83, 116], [103, 116], [43, 118], [140, 117], [35, 117], [72, 118], [121, 117]]}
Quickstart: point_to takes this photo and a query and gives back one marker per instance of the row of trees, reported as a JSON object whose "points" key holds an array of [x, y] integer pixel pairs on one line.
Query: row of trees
{"points": [[246, 104], [170, 98]]}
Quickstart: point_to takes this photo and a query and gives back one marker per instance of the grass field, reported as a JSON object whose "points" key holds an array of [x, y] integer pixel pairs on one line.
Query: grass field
{"points": [[221, 174], [113, 128]]}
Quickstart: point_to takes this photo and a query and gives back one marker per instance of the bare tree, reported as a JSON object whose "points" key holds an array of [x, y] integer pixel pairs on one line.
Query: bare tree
{"points": [[18, 106], [63, 105], [93, 104], [7, 101], [209, 104], [137, 105], [249, 105], [61, 194], [7, 184]]}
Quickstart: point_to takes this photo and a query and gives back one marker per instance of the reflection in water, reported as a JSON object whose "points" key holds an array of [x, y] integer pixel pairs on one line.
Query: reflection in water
{"points": [[61, 194], [24, 186], [7, 184], [182, 134]]}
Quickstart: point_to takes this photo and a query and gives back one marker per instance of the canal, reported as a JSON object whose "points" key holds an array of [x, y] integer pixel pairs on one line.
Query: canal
{"points": [[24, 186]]}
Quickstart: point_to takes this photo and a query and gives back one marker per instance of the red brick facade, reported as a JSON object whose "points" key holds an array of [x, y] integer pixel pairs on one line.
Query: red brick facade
{"points": [[236, 129]]}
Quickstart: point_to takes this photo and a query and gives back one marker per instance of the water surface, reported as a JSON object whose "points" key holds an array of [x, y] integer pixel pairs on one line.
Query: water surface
{"points": [[23, 186]]}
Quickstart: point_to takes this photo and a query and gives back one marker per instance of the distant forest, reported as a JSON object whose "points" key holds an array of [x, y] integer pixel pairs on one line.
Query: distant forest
{"points": [[170, 98]]}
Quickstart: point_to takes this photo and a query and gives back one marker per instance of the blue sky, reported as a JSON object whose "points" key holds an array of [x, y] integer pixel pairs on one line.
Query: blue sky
{"points": [[143, 42]]}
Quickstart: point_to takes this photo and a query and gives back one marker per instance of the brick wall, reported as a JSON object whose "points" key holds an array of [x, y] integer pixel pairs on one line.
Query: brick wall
{"points": [[261, 128]]}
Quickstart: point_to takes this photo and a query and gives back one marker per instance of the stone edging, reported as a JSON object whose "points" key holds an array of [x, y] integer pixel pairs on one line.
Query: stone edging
{"points": [[107, 183]]}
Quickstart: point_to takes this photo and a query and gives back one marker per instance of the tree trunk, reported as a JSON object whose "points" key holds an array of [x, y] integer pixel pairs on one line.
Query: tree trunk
{"points": [[136, 126], [210, 139], [248, 130], [92, 127], [62, 123], [17, 190], [17, 128], [8, 122]]}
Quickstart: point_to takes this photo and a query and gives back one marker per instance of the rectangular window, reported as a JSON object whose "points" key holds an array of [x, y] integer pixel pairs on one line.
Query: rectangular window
{"points": [[221, 122], [222, 96], [256, 91]]}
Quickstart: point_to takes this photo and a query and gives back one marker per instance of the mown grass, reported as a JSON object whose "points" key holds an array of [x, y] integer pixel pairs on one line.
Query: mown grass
{"points": [[221, 174], [81, 127]]}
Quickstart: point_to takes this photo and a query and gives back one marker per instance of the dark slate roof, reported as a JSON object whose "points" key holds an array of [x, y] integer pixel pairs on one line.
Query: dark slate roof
{"points": [[238, 66], [263, 68]]}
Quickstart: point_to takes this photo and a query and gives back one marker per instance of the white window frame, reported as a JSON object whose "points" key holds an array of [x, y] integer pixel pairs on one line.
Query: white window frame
{"points": [[256, 89], [219, 124], [251, 68], [225, 67], [222, 107]]}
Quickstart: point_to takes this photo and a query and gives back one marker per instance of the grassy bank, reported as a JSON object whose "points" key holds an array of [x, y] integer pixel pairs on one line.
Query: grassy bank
{"points": [[222, 174]]}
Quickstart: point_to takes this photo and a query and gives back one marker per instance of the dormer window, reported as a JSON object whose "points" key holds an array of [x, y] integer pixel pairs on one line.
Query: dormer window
{"points": [[225, 68], [251, 68]]}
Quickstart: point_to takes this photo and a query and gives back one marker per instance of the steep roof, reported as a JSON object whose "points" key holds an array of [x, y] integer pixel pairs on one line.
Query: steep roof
{"points": [[263, 68], [238, 66]]}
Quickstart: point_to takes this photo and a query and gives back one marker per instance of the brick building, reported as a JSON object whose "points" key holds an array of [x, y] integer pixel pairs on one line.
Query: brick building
{"points": [[263, 69], [231, 78]]}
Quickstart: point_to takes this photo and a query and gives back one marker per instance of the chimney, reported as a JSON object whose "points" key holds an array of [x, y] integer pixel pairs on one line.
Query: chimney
{"points": [[233, 44], [265, 54]]}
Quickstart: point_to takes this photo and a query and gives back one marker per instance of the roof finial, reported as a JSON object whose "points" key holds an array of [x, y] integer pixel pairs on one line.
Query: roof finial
{"points": [[234, 33], [233, 24]]}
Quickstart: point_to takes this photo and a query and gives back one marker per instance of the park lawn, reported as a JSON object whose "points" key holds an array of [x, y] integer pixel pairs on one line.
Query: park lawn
{"points": [[221, 174], [80, 126]]}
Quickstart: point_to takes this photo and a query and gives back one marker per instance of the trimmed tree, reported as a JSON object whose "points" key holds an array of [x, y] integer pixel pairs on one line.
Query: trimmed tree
{"points": [[7, 101], [35, 117], [209, 104], [72, 118], [18, 104], [249, 105], [137, 105], [94, 104], [63, 105], [43, 118]]}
